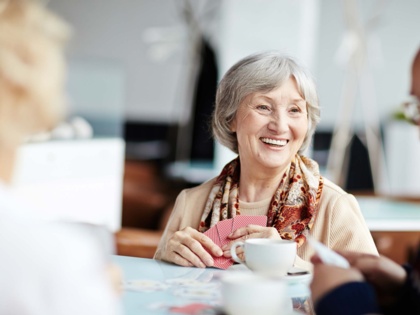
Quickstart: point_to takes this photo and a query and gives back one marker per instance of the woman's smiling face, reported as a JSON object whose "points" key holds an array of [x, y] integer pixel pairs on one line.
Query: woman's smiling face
{"points": [[270, 127]]}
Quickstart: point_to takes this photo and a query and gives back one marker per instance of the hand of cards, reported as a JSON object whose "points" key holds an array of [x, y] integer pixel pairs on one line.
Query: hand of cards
{"points": [[219, 233]]}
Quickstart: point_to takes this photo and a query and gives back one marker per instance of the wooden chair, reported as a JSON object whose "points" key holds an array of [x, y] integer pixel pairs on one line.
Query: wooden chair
{"points": [[147, 203]]}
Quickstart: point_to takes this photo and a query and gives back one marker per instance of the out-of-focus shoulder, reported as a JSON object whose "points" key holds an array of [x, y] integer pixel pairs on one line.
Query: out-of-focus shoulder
{"points": [[331, 188], [201, 189], [335, 197]]}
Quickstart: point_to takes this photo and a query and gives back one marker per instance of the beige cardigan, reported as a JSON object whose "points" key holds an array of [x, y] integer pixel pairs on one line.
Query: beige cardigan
{"points": [[339, 223]]}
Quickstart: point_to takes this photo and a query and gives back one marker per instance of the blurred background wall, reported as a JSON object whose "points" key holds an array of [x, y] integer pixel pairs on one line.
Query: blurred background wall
{"points": [[142, 60], [146, 71]]}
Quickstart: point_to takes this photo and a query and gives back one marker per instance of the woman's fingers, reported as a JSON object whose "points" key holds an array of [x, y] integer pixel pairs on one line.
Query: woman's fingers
{"points": [[247, 232], [254, 231], [239, 252], [207, 243], [179, 260], [241, 232], [187, 247]]}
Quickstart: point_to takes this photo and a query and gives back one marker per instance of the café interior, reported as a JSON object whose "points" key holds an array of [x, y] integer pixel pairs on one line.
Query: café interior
{"points": [[142, 76]]}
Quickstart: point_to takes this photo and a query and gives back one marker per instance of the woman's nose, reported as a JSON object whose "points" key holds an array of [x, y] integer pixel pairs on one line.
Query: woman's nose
{"points": [[278, 123]]}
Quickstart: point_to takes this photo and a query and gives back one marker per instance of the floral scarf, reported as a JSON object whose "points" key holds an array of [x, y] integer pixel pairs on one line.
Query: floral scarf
{"points": [[292, 209]]}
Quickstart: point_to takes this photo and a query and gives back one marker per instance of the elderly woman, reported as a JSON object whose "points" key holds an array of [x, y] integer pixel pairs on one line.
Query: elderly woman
{"points": [[47, 267], [266, 111]]}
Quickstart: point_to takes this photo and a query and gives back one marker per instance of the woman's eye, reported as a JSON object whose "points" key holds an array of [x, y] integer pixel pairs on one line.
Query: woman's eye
{"points": [[263, 107], [295, 110]]}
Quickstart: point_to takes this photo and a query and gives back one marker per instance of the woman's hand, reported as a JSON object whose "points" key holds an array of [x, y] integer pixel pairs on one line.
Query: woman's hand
{"points": [[249, 231], [187, 247]]}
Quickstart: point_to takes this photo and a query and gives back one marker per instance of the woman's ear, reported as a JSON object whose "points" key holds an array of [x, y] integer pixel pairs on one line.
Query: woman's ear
{"points": [[233, 125]]}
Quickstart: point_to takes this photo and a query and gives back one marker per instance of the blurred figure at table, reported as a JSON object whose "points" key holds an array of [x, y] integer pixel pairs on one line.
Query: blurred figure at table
{"points": [[372, 284], [47, 267], [266, 111]]}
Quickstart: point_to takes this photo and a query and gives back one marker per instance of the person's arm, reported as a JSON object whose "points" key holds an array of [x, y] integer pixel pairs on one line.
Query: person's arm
{"points": [[384, 276], [348, 229], [185, 246], [172, 226], [397, 287], [341, 291], [351, 298]]}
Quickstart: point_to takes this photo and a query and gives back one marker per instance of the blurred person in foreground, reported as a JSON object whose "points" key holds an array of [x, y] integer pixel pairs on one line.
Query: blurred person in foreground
{"points": [[373, 285], [47, 267], [266, 111]]}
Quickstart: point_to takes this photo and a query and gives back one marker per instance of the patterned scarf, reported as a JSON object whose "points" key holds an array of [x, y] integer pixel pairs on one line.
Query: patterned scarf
{"points": [[292, 209]]}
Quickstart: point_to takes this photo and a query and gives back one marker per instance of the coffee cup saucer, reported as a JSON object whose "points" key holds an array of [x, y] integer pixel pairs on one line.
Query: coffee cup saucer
{"points": [[298, 276]]}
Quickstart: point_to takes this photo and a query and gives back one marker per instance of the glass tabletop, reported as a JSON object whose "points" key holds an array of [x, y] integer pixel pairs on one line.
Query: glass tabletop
{"points": [[156, 287]]}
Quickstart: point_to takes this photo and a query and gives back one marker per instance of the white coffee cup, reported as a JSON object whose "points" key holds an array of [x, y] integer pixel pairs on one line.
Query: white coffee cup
{"points": [[268, 256], [246, 293]]}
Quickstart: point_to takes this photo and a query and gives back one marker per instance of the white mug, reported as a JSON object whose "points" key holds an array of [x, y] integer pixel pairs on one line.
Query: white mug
{"points": [[268, 256], [245, 293]]}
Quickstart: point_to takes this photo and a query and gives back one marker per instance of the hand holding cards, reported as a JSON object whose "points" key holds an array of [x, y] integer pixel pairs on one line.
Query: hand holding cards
{"points": [[220, 232]]}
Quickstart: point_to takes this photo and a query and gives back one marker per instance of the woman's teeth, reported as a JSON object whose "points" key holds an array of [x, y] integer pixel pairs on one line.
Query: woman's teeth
{"points": [[275, 142]]}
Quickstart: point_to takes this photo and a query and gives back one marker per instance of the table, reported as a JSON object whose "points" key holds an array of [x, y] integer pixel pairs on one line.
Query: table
{"points": [[156, 287]]}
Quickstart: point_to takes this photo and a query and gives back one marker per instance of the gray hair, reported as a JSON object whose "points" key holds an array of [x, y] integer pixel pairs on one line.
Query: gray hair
{"points": [[261, 72]]}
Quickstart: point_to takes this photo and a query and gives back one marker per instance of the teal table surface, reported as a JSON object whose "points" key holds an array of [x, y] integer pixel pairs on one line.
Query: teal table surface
{"points": [[155, 287], [382, 214]]}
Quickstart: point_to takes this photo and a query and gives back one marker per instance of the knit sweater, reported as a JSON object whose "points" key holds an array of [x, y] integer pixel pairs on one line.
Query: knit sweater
{"points": [[339, 223]]}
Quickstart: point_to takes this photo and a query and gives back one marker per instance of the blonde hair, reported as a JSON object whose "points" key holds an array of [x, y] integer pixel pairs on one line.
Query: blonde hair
{"points": [[31, 68]]}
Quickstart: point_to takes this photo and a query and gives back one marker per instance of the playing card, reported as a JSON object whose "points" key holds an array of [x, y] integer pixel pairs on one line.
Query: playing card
{"points": [[219, 234], [213, 235], [244, 220], [222, 262], [190, 309], [224, 228]]}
